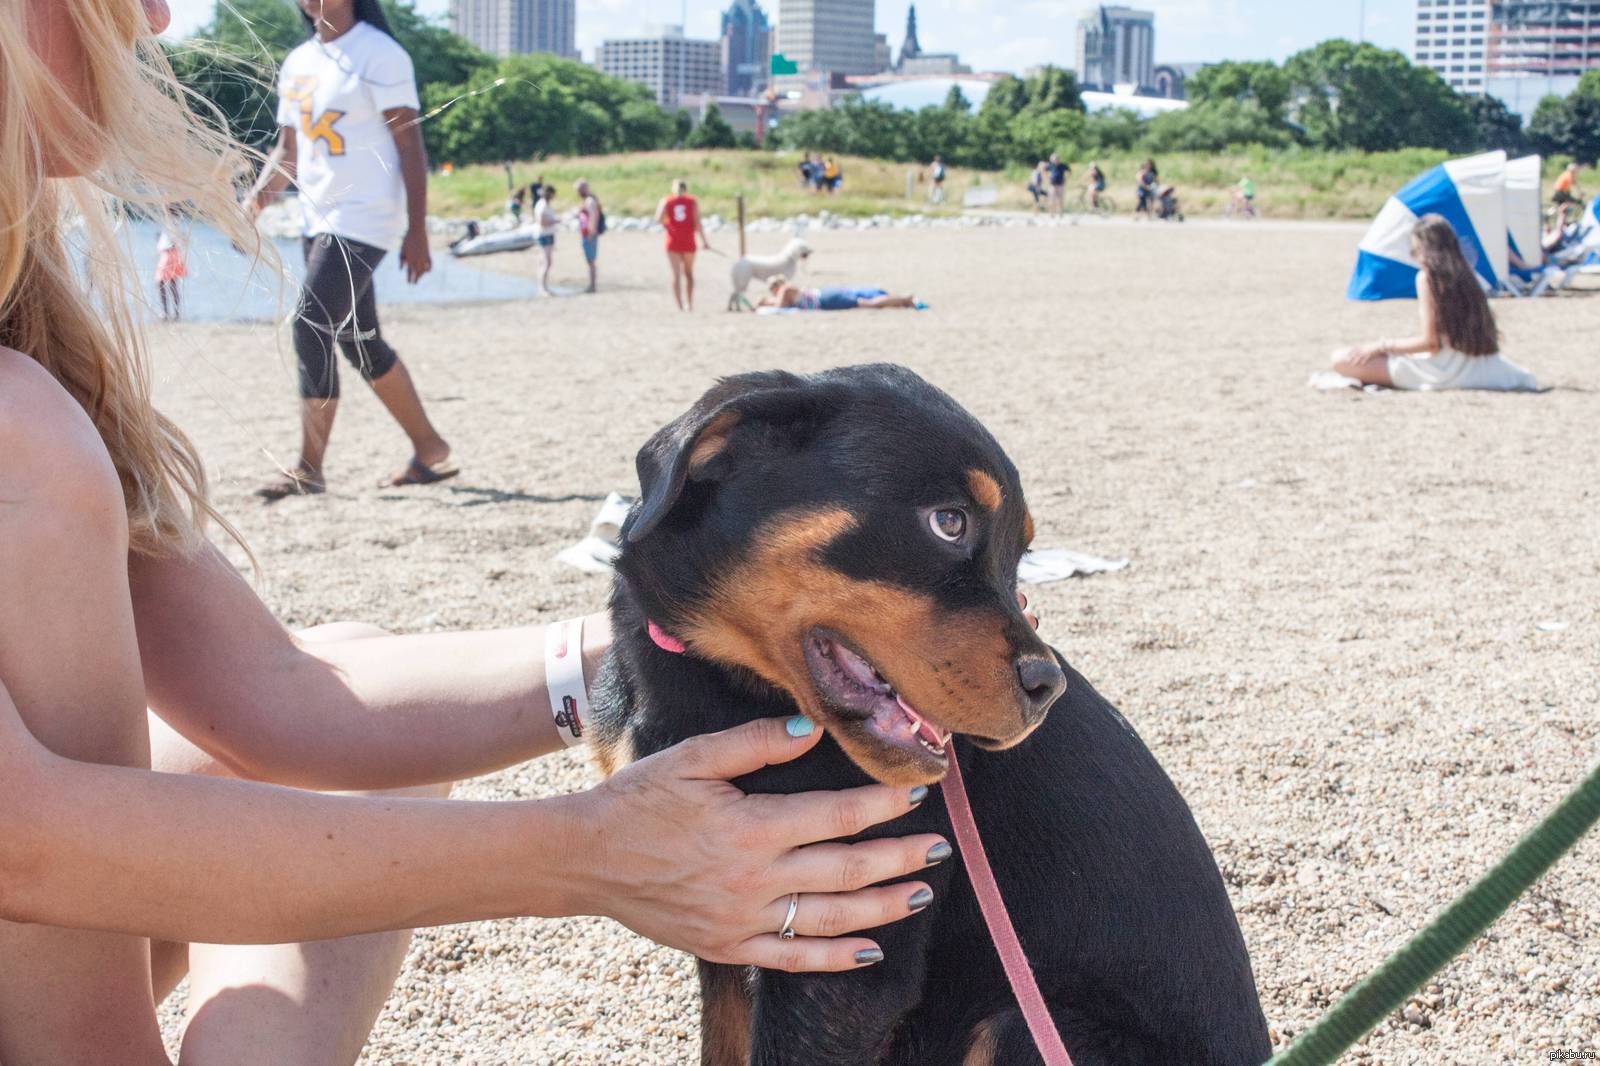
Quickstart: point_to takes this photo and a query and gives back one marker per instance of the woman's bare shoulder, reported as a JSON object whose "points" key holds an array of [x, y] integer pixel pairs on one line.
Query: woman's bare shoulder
{"points": [[51, 447]]}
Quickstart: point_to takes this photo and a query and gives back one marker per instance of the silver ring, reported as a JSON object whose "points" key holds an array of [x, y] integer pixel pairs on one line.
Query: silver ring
{"points": [[787, 932]]}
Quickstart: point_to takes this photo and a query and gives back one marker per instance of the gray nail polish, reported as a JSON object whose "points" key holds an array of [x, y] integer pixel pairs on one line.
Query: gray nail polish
{"points": [[868, 956], [919, 794], [939, 852], [920, 899]]}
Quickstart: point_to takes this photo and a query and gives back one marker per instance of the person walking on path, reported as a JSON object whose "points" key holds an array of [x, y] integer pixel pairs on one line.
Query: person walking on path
{"points": [[348, 137], [545, 217], [1058, 184], [1037, 181], [129, 643], [936, 173], [591, 224], [679, 214]]}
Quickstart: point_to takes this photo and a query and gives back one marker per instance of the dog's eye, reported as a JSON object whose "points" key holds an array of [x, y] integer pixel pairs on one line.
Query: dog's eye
{"points": [[948, 524]]}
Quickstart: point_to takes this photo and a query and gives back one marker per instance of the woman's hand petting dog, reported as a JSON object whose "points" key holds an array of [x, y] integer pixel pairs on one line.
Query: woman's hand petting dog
{"points": [[683, 857]]}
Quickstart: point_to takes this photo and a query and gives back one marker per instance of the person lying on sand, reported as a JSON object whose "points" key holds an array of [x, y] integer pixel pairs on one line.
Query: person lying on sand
{"points": [[129, 643], [1459, 346], [782, 294]]}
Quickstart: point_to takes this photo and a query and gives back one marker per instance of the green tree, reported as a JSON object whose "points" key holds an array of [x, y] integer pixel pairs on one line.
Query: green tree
{"points": [[1368, 98], [1494, 124], [955, 100], [1213, 127], [713, 131], [1006, 97], [1263, 82], [230, 92], [1054, 89], [1035, 134], [1569, 127]]}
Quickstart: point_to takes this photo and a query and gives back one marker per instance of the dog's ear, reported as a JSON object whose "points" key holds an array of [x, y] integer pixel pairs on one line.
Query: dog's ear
{"points": [[684, 448]]}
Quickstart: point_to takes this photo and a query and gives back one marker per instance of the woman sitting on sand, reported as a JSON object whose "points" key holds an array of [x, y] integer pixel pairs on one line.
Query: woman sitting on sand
{"points": [[127, 641], [1459, 346], [783, 295]]}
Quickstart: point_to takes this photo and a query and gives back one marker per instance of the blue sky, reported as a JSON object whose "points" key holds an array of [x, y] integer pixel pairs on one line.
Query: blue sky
{"points": [[1013, 34]]}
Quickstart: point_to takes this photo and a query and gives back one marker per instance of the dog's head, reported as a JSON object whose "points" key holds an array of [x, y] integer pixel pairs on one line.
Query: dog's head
{"points": [[851, 538], [797, 249]]}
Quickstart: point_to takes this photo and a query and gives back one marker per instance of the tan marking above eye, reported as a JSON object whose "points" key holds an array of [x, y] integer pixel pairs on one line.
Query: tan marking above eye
{"points": [[985, 489]]}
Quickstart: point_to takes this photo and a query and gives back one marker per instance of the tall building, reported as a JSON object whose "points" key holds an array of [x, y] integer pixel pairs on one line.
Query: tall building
{"points": [[746, 48], [509, 27], [672, 65], [915, 62], [1453, 39], [1517, 50], [831, 35], [1117, 46]]}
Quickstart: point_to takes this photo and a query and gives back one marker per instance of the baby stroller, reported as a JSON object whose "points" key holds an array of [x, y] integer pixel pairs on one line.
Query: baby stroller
{"points": [[1167, 208]]}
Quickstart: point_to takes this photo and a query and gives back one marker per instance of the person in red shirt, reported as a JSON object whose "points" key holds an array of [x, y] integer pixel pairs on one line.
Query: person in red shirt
{"points": [[680, 216]]}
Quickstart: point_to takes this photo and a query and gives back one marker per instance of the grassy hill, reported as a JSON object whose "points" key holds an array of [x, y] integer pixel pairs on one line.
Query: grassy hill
{"points": [[1290, 184]]}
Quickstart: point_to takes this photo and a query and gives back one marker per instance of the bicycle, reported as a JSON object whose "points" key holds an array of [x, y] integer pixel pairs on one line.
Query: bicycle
{"points": [[1105, 207], [1239, 207]]}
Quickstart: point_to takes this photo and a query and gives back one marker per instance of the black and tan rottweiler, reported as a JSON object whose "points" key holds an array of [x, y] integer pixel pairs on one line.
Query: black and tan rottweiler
{"points": [[846, 544]]}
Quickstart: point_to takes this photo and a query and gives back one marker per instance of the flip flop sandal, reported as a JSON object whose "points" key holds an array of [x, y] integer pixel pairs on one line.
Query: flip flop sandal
{"points": [[418, 473], [292, 484]]}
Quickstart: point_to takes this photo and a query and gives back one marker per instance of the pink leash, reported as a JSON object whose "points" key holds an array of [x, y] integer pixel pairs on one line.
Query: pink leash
{"points": [[995, 915], [998, 919]]}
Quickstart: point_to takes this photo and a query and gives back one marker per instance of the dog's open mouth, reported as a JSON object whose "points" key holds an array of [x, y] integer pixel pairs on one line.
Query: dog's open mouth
{"points": [[854, 688]]}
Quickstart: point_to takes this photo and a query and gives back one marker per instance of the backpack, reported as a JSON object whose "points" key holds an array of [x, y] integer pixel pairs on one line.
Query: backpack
{"points": [[600, 223]]}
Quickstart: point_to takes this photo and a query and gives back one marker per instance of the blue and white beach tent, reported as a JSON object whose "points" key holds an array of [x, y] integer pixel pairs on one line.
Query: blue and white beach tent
{"points": [[1524, 227], [1470, 194]]}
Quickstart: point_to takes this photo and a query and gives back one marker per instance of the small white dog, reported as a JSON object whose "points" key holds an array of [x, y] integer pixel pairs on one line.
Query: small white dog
{"points": [[762, 267]]}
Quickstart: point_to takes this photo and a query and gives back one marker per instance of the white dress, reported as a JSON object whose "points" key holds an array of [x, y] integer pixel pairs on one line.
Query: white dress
{"points": [[1450, 369]]}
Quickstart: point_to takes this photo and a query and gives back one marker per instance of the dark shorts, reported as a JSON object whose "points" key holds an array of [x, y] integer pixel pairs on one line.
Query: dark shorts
{"points": [[547, 240], [337, 308], [1562, 196]]}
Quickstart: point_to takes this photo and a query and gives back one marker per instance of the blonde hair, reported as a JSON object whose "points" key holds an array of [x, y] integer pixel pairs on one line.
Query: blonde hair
{"points": [[66, 279]]}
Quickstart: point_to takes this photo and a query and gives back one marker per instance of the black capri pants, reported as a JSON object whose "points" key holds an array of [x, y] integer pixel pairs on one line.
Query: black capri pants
{"points": [[337, 307]]}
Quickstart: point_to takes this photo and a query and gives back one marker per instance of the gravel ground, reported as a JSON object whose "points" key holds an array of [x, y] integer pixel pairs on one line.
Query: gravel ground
{"points": [[1360, 630]]}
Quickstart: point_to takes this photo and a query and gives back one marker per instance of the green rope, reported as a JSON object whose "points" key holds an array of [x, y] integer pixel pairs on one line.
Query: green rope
{"points": [[1388, 987]]}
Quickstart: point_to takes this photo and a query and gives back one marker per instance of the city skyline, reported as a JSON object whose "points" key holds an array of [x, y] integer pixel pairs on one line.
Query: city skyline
{"points": [[1026, 33]]}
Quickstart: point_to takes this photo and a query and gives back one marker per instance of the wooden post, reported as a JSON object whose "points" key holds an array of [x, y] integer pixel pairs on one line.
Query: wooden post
{"points": [[741, 225]]}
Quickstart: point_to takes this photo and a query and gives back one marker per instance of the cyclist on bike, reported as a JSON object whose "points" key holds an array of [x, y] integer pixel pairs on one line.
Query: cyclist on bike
{"points": [[1567, 197], [1244, 198]]}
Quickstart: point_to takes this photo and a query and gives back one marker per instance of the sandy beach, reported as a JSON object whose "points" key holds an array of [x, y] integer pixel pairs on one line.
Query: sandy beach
{"points": [[1360, 630]]}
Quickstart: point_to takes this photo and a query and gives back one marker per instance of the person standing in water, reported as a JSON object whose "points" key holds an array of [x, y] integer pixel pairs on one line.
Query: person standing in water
{"points": [[679, 214], [348, 137]]}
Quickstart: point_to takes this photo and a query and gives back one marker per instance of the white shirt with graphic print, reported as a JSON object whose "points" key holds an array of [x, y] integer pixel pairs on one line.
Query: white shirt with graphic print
{"points": [[333, 94]]}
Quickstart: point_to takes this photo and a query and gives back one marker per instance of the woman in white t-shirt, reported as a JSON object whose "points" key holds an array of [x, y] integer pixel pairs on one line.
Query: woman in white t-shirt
{"points": [[348, 137], [544, 215], [1459, 346]]}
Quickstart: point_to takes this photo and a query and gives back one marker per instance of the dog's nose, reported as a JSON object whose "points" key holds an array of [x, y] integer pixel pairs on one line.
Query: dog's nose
{"points": [[1042, 683]]}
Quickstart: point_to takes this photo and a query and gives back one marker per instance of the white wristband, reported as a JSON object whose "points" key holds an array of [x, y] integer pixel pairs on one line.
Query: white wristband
{"points": [[563, 679]]}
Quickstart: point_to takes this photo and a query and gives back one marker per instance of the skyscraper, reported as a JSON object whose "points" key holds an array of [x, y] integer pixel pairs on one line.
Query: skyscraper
{"points": [[746, 48], [507, 27], [831, 35], [670, 64], [1452, 40], [1117, 46]]}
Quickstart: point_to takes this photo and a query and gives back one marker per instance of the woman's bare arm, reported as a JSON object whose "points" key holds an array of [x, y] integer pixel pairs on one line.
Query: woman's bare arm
{"points": [[382, 712], [277, 173], [1425, 342], [202, 858], [415, 257]]}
